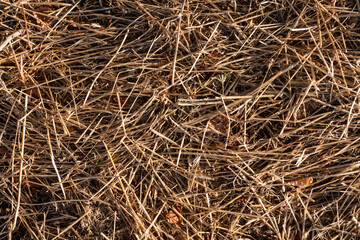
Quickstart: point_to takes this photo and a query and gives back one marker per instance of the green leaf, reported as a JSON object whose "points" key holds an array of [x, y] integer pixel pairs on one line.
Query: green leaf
{"points": [[5, 76]]}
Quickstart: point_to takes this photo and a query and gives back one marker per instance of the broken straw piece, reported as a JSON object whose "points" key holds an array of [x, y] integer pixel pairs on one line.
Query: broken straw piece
{"points": [[301, 183]]}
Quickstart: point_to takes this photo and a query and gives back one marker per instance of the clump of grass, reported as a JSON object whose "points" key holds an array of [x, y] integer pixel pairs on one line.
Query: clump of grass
{"points": [[179, 119]]}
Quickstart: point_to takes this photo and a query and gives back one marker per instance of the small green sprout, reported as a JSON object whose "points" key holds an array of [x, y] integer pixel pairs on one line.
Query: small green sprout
{"points": [[222, 77]]}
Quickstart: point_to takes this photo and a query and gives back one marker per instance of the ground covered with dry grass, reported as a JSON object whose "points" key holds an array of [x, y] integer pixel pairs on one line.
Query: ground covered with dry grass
{"points": [[152, 119]]}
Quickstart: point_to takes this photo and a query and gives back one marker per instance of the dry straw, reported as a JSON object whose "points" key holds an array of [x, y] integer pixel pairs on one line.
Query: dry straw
{"points": [[176, 119]]}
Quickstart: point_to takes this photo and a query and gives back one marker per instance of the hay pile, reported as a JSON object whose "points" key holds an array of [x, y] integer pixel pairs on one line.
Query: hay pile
{"points": [[156, 119]]}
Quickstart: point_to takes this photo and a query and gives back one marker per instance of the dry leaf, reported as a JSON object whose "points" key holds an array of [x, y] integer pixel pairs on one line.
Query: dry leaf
{"points": [[241, 200], [219, 123], [42, 18], [72, 129], [172, 217], [33, 92], [302, 182], [214, 55]]}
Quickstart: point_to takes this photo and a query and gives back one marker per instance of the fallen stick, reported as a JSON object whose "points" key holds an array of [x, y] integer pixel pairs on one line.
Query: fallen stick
{"points": [[11, 37]]}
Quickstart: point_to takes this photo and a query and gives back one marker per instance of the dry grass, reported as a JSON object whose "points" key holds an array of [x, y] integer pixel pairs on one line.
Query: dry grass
{"points": [[156, 119]]}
